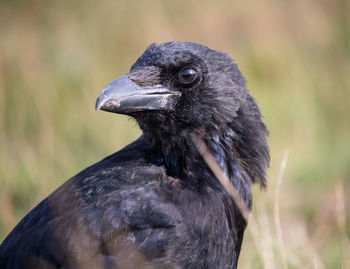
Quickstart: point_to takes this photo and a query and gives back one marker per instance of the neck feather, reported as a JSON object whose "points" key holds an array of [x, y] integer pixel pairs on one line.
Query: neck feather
{"points": [[182, 160]]}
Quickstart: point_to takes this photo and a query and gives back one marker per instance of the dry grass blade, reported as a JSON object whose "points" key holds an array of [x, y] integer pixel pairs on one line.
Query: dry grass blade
{"points": [[277, 210], [341, 222], [226, 183], [222, 177]]}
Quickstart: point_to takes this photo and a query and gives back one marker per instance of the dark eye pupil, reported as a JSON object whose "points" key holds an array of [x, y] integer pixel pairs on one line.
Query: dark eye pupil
{"points": [[187, 75]]}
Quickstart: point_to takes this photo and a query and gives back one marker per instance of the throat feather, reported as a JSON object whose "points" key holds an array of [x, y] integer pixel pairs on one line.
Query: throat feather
{"points": [[183, 161]]}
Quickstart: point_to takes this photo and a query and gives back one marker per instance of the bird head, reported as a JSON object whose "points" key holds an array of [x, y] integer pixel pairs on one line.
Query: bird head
{"points": [[177, 88], [183, 83]]}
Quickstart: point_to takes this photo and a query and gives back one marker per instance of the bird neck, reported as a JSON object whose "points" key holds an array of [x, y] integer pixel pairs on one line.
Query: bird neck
{"points": [[182, 160]]}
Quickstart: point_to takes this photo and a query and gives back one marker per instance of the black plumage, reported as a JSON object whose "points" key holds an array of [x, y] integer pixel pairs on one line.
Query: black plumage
{"points": [[156, 203]]}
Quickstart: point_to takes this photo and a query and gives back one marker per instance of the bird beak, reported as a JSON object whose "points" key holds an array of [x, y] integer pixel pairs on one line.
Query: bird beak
{"points": [[125, 97]]}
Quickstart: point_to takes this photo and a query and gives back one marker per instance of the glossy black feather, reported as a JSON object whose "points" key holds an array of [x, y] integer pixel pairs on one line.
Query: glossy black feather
{"points": [[156, 204]]}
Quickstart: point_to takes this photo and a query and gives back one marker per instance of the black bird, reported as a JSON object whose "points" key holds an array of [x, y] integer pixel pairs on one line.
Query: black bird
{"points": [[156, 203]]}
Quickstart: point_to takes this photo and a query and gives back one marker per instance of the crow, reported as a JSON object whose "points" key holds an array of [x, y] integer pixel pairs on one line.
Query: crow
{"points": [[156, 203]]}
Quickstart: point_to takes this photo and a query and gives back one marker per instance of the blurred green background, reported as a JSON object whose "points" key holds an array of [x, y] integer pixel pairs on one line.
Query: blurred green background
{"points": [[56, 56]]}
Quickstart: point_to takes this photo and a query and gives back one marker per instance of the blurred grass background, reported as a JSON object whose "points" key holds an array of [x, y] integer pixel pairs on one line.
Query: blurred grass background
{"points": [[56, 56]]}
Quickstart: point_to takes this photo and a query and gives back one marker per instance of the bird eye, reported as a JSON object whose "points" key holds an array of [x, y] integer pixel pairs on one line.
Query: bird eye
{"points": [[187, 75]]}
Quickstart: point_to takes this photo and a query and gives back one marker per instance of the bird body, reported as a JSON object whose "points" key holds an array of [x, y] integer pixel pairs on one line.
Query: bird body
{"points": [[156, 203]]}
